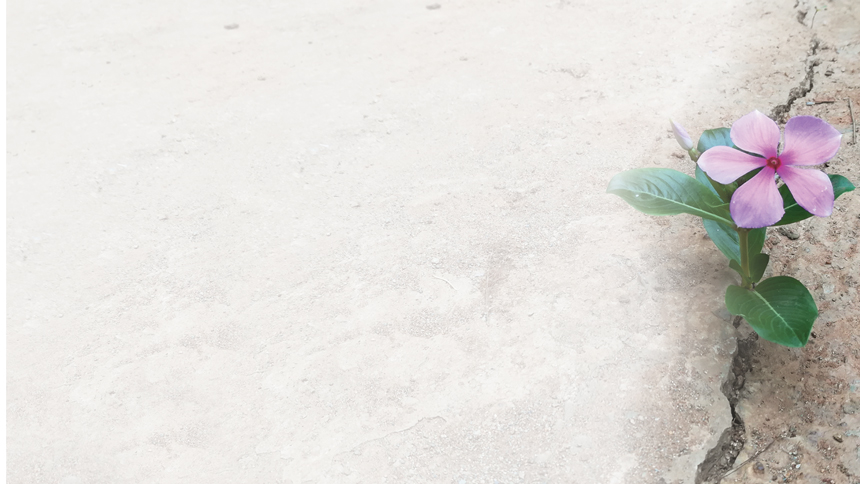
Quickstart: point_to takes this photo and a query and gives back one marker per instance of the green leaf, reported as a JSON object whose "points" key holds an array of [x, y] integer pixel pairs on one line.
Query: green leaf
{"points": [[704, 180], [779, 309], [661, 191], [736, 266], [796, 213], [715, 137], [717, 188], [758, 263], [756, 240], [745, 178], [726, 239]]}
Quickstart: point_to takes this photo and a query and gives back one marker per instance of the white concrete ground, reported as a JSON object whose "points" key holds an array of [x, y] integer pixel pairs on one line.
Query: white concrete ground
{"points": [[366, 241]]}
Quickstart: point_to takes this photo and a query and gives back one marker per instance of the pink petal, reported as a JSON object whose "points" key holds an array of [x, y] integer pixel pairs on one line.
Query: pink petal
{"points": [[811, 189], [757, 203], [809, 141], [726, 165], [682, 136], [756, 133]]}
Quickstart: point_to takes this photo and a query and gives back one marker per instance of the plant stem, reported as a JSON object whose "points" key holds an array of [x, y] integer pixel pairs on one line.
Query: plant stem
{"points": [[694, 154], [743, 242]]}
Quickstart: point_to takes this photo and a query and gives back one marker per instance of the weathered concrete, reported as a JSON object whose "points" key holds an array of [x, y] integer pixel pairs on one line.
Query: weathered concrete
{"points": [[365, 241]]}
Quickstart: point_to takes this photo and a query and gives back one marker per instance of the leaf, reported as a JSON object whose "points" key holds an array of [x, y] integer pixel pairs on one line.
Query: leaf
{"points": [[736, 266], [726, 239], [717, 188], [756, 240], [779, 309], [745, 178], [661, 191], [758, 263], [796, 213], [704, 180], [715, 137]]}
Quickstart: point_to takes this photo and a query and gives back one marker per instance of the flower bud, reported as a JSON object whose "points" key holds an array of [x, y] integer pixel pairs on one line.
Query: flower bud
{"points": [[682, 136]]}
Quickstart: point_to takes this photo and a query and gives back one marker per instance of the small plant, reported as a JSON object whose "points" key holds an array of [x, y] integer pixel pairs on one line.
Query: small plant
{"points": [[743, 185]]}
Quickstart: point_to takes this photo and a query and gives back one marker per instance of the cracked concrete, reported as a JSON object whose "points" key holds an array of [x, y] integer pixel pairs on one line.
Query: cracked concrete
{"points": [[780, 113], [721, 458], [356, 242]]}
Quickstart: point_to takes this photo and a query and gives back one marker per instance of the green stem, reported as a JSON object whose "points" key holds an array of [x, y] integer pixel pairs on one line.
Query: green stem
{"points": [[743, 242], [694, 154]]}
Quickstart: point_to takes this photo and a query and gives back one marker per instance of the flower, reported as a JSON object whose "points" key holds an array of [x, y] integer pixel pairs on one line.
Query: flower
{"points": [[682, 136], [757, 203]]}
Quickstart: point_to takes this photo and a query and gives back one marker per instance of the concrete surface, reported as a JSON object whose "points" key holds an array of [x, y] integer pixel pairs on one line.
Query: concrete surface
{"points": [[347, 241]]}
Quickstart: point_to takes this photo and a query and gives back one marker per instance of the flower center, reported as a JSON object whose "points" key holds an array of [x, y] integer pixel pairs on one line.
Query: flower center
{"points": [[774, 162]]}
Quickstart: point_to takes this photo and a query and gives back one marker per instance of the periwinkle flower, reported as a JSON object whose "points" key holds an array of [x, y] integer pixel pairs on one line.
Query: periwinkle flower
{"points": [[757, 203], [681, 135]]}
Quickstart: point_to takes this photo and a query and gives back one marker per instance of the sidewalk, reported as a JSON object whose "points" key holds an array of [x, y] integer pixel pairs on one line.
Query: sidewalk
{"points": [[368, 242]]}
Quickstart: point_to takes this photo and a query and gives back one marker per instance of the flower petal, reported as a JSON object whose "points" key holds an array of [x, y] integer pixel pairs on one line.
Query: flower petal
{"points": [[809, 141], [682, 136], [811, 189], [756, 133], [726, 165], [757, 203]]}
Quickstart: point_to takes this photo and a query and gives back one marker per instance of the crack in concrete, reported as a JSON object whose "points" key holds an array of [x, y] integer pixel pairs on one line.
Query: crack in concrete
{"points": [[720, 459], [722, 456], [389, 434], [779, 113]]}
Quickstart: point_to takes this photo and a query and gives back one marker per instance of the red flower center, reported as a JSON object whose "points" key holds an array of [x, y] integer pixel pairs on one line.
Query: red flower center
{"points": [[774, 162]]}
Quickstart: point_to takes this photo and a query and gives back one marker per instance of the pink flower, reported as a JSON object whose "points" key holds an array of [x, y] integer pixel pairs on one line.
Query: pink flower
{"points": [[757, 203]]}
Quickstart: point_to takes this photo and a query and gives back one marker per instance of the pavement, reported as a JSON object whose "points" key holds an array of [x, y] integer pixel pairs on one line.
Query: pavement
{"points": [[362, 242]]}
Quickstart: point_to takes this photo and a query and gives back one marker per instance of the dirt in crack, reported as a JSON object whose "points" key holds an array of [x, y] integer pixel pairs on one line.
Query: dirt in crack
{"points": [[779, 113], [722, 456]]}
